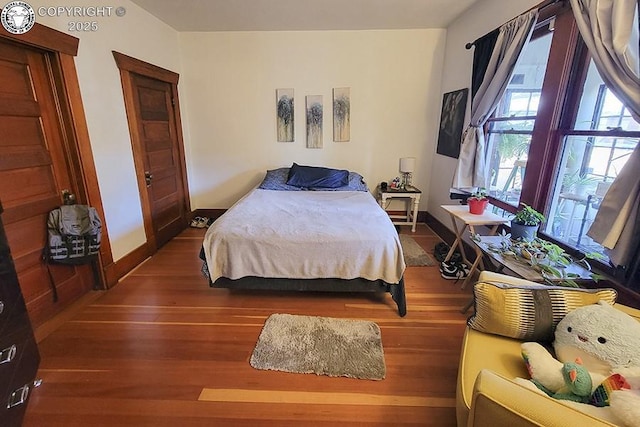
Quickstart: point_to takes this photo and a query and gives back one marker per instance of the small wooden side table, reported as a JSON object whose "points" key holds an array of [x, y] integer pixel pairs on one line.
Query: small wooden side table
{"points": [[411, 195], [461, 213]]}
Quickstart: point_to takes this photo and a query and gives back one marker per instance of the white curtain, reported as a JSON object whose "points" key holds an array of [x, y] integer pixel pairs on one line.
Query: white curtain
{"points": [[609, 28], [472, 170], [610, 31]]}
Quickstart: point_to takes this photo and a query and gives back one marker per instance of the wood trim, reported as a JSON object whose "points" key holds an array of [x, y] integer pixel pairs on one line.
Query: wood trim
{"points": [[45, 38], [84, 165], [127, 66], [440, 229], [137, 66], [132, 122], [117, 270], [51, 325], [209, 213], [179, 136], [545, 140]]}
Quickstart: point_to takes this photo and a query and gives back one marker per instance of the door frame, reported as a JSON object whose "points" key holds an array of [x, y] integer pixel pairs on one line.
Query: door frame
{"points": [[61, 49], [129, 66]]}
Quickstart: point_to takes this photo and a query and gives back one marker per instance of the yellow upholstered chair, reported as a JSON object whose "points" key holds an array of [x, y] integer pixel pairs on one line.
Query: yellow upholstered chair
{"points": [[486, 394]]}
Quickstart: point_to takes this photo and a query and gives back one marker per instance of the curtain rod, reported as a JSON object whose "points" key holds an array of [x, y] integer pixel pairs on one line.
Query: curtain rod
{"points": [[542, 5]]}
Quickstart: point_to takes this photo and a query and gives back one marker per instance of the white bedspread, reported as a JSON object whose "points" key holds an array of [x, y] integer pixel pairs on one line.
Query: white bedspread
{"points": [[305, 235]]}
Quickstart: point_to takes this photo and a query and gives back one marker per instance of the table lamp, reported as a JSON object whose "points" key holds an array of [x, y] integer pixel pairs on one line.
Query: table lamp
{"points": [[407, 166]]}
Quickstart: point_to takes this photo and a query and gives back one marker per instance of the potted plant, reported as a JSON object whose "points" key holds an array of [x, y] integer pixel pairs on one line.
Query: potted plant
{"points": [[478, 201], [524, 225], [555, 265], [578, 184]]}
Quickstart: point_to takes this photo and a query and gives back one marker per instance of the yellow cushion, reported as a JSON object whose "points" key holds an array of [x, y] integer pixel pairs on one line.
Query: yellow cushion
{"points": [[531, 312], [497, 401], [483, 351]]}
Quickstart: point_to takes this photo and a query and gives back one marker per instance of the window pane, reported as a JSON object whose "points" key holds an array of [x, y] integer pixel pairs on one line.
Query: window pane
{"points": [[508, 140], [600, 109], [519, 102], [511, 125], [588, 166]]}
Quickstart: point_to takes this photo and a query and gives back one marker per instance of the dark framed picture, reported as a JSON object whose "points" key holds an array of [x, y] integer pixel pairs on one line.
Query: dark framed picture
{"points": [[454, 106]]}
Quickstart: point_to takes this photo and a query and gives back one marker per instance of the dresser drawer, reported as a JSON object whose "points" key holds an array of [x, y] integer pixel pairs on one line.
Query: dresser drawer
{"points": [[17, 390], [12, 348]]}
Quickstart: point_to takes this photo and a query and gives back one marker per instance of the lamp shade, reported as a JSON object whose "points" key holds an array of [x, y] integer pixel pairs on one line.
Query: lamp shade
{"points": [[407, 164]]}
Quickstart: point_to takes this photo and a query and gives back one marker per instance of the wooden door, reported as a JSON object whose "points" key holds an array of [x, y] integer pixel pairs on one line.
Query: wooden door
{"points": [[160, 156], [34, 169]]}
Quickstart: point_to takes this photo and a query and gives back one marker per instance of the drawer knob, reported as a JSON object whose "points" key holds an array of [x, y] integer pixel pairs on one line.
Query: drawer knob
{"points": [[18, 397], [1, 307], [8, 354]]}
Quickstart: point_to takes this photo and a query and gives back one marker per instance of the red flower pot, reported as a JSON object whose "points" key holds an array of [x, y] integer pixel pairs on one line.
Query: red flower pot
{"points": [[476, 206]]}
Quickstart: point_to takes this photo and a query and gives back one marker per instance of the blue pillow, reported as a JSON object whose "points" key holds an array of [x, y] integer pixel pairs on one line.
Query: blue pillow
{"points": [[276, 179], [317, 177], [356, 183]]}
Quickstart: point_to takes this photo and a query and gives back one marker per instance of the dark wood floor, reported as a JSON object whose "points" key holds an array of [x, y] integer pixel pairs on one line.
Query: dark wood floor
{"points": [[163, 348]]}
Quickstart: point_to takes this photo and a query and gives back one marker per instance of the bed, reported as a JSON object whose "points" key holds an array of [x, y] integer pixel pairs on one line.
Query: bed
{"points": [[313, 234]]}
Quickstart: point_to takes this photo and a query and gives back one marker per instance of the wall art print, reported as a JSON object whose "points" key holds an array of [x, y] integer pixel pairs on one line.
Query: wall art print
{"points": [[285, 115], [454, 106], [341, 114], [314, 121]]}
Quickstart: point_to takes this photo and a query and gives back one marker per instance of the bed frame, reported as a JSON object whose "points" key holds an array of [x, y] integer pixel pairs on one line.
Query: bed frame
{"points": [[318, 285], [313, 285]]}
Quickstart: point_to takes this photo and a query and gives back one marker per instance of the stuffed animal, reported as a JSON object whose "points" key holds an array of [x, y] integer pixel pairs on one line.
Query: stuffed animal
{"points": [[607, 342], [577, 383]]}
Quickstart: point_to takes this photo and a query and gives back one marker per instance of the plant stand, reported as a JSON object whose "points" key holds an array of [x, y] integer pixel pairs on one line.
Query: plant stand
{"points": [[461, 213], [520, 268]]}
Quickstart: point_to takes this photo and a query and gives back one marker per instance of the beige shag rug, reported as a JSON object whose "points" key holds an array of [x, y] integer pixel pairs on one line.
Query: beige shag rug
{"points": [[414, 255], [320, 345]]}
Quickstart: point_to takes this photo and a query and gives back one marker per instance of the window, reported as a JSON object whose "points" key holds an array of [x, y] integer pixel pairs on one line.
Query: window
{"points": [[559, 137], [593, 150], [510, 129]]}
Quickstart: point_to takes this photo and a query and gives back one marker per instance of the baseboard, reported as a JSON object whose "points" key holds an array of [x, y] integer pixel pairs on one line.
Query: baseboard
{"points": [[44, 330], [439, 228], [115, 271], [209, 213], [447, 235]]}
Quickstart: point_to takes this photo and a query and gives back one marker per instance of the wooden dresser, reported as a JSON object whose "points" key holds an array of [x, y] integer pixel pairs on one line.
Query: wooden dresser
{"points": [[19, 357]]}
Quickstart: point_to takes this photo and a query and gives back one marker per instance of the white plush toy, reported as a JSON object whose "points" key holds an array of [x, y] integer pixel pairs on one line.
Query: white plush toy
{"points": [[607, 343]]}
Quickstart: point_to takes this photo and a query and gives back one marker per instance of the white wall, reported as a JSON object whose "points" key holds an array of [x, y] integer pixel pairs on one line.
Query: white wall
{"points": [[136, 34], [230, 83], [482, 17], [227, 90]]}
